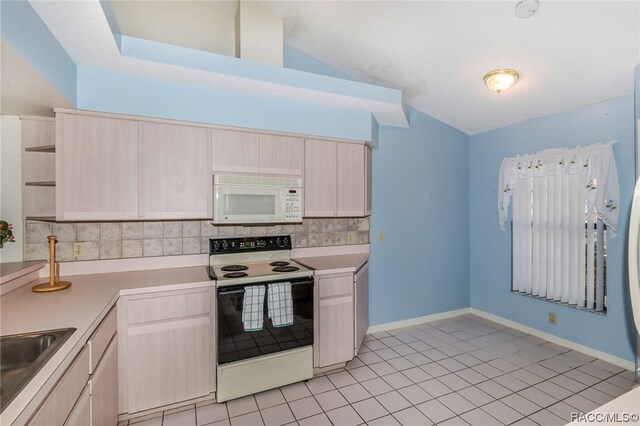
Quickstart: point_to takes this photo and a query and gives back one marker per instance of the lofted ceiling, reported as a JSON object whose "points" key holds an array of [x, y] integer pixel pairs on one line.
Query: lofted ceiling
{"points": [[23, 90], [570, 54]]}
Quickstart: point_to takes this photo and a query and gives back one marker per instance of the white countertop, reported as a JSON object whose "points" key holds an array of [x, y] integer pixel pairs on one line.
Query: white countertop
{"points": [[82, 306], [12, 270], [335, 264], [334, 259]]}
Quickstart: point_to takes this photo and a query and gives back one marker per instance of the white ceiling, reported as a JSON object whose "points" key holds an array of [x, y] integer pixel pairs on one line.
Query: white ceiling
{"points": [[82, 29], [570, 54]]}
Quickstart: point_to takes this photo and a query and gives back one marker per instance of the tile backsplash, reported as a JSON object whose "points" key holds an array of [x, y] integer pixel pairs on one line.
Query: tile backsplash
{"points": [[116, 240]]}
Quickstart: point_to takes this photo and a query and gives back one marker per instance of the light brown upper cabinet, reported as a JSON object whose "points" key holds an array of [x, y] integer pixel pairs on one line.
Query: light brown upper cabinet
{"points": [[351, 180], [96, 168], [235, 151], [247, 152], [175, 177], [281, 155], [337, 179], [320, 178]]}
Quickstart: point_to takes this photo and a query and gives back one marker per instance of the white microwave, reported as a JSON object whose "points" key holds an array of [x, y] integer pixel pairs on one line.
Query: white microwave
{"points": [[256, 199]]}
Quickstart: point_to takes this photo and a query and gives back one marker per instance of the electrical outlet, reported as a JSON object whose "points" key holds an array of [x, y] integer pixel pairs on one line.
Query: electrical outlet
{"points": [[78, 249], [553, 318], [381, 236], [351, 237]]}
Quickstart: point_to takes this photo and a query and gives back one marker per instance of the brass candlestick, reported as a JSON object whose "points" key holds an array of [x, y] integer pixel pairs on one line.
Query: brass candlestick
{"points": [[54, 283]]}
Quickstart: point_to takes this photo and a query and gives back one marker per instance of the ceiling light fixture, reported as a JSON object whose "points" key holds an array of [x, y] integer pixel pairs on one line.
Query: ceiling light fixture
{"points": [[527, 8], [501, 79]]}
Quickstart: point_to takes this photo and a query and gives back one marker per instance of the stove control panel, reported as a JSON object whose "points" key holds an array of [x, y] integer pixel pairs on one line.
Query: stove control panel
{"points": [[249, 244]]}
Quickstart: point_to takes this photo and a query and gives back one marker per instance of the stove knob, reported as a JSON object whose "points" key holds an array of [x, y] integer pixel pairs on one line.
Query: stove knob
{"points": [[278, 242], [225, 245], [216, 246], [285, 241]]}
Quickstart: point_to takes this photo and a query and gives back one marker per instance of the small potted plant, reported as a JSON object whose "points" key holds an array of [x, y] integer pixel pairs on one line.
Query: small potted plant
{"points": [[6, 234]]}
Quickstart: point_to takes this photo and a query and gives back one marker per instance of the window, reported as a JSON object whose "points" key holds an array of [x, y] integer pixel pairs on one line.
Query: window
{"points": [[564, 205]]}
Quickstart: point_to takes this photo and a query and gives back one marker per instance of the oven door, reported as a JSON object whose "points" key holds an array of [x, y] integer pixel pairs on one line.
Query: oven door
{"points": [[236, 344], [247, 204]]}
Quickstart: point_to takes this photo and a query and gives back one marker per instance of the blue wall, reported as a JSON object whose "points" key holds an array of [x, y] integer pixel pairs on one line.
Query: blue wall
{"points": [[22, 28], [434, 187], [421, 203], [491, 248], [109, 91]]}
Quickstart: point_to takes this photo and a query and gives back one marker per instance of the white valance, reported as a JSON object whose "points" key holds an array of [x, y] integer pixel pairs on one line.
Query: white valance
{"points": [[595, 165]]}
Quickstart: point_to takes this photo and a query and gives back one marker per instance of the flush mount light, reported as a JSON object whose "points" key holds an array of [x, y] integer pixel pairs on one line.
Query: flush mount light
{"points": [[501, 79]]}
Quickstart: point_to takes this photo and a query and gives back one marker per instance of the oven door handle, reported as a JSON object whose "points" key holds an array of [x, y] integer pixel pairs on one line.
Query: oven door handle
{"points": [[223, 291]]}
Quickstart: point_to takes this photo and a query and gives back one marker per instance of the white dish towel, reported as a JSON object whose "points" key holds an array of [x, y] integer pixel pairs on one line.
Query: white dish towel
{"points": [[280, 304], [253, 308]]}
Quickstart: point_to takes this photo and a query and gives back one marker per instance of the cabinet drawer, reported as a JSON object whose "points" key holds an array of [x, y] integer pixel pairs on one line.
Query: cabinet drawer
{"points": [[62, 399], [168, 306], [100, 338], [335, 285]]}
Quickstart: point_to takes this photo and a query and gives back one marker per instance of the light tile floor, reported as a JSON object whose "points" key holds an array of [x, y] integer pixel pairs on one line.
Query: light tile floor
{"points": [[457, 371]]}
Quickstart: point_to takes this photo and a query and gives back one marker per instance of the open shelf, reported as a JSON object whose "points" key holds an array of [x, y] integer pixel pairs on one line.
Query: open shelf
{"points": [[42, 218], [43, 148], [43, 183]]}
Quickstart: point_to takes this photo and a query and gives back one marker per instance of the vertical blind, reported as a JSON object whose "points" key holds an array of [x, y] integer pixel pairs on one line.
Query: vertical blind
{"points": [[563, 201]]}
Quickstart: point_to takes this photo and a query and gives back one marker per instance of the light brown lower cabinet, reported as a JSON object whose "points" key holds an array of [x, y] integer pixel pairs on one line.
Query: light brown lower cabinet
{"points": [[98, 402], [361, 305], [60, 402], [83, 398], [168, 354], [104, 388], [81, 413], [342, 316], [335, 321]]}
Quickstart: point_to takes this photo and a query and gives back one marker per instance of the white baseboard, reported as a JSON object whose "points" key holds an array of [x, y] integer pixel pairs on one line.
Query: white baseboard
{"points": [[620, 362], [418, 320]]}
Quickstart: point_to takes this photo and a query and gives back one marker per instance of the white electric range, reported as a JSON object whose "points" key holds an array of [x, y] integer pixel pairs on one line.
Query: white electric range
{"points": [[248, 360]]}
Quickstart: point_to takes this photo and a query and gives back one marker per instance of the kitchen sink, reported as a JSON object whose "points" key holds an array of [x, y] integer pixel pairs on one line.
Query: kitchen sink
{"points": [[22, 356]]}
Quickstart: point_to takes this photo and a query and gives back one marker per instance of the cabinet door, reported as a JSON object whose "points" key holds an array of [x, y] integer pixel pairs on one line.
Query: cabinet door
{"points": [[81, 413], [368, 177], [235, 151], [281, 155], [351, 180], [104, 388], [168, 363], [60, 402], [175, 177], [361, 308], [96, 168], [319, 178], [335, 319]]}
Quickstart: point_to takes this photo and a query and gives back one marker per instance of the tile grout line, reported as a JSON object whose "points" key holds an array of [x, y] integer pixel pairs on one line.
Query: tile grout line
{"points": [[484, 328]]}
